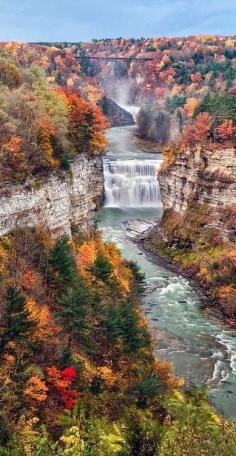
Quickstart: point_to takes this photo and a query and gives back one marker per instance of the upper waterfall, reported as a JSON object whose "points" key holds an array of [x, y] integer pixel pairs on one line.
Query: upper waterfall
{"points": [[131, 183]]}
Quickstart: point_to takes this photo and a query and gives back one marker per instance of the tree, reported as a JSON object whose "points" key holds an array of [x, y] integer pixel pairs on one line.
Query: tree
{"points": [[190, 106], [153, 123], [138, 277], [123, 323], [143, 434], [102, 268], [226, 131], [221, 107], [18, 321], [87, 125], [177, 101], [73, 313], [199, 131], [62, 263]]}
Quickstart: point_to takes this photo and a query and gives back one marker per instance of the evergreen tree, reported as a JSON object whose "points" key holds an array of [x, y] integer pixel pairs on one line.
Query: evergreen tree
{"points": [[134, 336], [73, 313], [102, 268], [138, 277], [143, 434], [123, 323], [62, 263], [18, 323]]}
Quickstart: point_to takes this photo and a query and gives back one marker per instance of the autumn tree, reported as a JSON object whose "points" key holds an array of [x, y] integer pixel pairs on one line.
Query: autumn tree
{"points": [[198, 132], [226, 131], [87, 125]]}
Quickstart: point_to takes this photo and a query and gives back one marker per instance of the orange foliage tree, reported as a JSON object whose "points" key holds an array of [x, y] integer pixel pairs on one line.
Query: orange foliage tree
{"points": [[199, 131], [226, 131], [87, 125], [35, 390]]}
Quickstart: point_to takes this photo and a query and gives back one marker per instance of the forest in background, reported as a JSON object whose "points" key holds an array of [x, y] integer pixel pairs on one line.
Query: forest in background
{"points": [[77, 371]]}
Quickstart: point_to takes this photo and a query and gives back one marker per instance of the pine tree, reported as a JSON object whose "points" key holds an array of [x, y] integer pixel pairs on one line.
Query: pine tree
{"points": [[123, 323], [134, 336], [18, 323], [62, 263], [73, 313], [138, 277], [102, 268]]}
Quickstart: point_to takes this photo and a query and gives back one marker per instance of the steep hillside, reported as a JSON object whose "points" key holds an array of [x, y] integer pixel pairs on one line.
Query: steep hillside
{"points": [[76, 364]]}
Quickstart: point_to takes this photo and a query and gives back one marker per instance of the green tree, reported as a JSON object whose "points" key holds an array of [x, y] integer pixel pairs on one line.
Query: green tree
{"points": [[62, 263], [73, 313], [138, 277], [18, 321], [102, 268], [143, 434], [219, 106], [177, 101], [123, 323]]}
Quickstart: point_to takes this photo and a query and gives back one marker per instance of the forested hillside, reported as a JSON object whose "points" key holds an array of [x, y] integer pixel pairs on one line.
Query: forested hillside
{"points": [[77, 372], [43, 126]]}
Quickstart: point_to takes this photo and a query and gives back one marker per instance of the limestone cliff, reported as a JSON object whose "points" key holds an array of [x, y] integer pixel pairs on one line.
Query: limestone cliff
{"points": [[117, 116], [197, 232], [56, 202], [202, 177]]}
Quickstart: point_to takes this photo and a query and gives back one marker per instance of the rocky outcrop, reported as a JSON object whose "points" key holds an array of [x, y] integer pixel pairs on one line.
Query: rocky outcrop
{"points": [[202, 177], [55, 203], [117, 116]]}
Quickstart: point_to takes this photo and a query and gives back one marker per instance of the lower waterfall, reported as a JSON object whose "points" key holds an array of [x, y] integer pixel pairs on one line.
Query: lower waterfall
{"points": [[131, 183]]}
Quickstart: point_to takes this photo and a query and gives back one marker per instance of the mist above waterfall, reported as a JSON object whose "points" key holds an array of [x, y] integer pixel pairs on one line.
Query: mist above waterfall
{"points": [[123, 92]]}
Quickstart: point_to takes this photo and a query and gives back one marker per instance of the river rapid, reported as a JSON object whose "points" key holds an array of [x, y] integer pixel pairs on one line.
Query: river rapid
{"points": [[201, 350]]}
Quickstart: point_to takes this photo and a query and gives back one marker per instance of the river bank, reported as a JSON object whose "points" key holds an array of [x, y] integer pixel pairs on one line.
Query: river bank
{"points": [[201, 350], [162, 259]]}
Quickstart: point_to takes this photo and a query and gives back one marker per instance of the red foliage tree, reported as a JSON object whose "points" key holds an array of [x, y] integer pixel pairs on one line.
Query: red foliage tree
{"points": [[199, 131], [61, 382], [226, 131]]}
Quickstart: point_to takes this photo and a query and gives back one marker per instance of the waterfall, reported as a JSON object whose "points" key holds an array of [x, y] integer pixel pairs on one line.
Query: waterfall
{"points": [[131, 183]]}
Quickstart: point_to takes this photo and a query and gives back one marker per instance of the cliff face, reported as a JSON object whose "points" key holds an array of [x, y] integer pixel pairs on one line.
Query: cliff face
{"points": [[55, 203], [202, 177], [116, 115]]}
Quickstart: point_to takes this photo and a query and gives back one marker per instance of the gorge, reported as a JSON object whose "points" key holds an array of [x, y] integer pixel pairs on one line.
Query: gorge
{"points": [[201, 350], [117, 247]]}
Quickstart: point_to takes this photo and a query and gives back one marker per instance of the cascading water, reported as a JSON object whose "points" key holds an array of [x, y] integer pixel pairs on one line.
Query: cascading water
{"points": [[131, 183], [201, 350]]}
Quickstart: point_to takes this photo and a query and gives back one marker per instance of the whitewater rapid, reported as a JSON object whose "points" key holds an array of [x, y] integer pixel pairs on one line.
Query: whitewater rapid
{"points": [[201, 350]]}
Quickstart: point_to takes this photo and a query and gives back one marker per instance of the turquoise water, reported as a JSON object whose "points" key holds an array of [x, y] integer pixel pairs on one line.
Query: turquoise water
{"points": [[200, 350]]}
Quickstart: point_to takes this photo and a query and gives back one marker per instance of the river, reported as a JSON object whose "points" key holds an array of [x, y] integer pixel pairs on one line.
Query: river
{"points": [[201, 350]]}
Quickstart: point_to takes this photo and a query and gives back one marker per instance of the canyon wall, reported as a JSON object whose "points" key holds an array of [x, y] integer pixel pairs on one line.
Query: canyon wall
{"points": [[117, 116], [202, 177], [57, 202]]}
